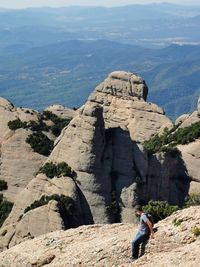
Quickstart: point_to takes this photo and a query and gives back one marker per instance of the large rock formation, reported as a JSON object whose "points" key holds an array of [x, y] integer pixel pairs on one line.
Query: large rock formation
{"points": [[122, 98], [18, 162], [191, 152], [21, 225], [103, 144], [191, 158], [110, 245]]}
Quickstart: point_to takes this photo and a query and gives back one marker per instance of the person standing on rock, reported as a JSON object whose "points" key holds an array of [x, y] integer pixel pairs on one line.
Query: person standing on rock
{"points": [[145, 231]]}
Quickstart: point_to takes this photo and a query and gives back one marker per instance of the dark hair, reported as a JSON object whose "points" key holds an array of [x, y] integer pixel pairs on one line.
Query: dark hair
{"points": [[138, 208]]}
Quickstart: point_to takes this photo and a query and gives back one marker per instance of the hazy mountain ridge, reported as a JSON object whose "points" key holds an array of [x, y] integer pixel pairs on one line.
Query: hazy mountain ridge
{"points": [[66, 72], [136, 24]]}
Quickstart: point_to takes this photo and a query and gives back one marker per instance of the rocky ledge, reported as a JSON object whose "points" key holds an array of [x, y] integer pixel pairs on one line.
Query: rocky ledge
{"points": [[175, 244]]}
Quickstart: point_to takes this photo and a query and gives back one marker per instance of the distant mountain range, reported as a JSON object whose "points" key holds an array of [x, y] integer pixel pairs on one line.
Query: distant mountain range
{"points": [[59, 55], [146, 25]]}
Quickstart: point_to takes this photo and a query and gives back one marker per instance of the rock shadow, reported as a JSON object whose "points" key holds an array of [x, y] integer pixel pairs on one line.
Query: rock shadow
{"points": [[86, 217], [166, 179], [119, 157]]}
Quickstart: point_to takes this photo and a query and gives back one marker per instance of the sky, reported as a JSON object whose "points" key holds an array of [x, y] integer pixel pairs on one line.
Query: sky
{"points": [[60, 3]]}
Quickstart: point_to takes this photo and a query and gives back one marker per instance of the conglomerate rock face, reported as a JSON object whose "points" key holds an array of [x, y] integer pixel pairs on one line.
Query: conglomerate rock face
{"points": [[190, 153], [124, 85], [103, 144], [18, 162], [191, 158], [122, 98]]}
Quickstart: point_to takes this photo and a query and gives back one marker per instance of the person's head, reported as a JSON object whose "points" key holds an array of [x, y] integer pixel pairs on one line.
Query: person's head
{"points": [[138, 210]]}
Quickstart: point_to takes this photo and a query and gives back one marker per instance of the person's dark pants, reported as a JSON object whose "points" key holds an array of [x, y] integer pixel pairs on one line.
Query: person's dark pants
{"points": [[139, 239]]}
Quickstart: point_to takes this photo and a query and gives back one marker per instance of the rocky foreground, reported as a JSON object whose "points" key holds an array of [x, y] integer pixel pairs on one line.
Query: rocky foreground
{"points": [[175, 244]]}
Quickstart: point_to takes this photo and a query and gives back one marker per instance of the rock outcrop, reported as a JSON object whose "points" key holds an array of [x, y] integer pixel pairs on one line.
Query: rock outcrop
{"points": [[191, 152], [102, 143], [181, 119], [18, 162], [186, 120], [26, 225], [7, 113], [45, 219], [122, 98], [61, 111], [193, 118], [110, 245], [191, 158]]}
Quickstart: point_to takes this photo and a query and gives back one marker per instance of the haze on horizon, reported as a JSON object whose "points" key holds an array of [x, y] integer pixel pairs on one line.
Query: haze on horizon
{"points": [[60, 3]]}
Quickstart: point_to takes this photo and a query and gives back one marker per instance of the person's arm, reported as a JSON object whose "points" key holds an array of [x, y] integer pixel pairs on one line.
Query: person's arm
{"points": [[150, 228]]}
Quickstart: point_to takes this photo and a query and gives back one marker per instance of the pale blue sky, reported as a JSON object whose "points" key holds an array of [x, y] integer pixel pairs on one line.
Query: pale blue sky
{"points": [[58, 3]]}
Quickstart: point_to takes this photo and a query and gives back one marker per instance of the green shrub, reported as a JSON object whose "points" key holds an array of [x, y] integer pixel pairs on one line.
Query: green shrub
{"points": [[177, 222], [187, 134], [114, 206], [59, 123], [159, 209], [5, 209], [48, 115], [64, 201], [196, 231], [40, 143], [138, 180], [16, 124], [56, 129], [192, 200], [171, 150], [57, 170], [38, 126], [35, 126], [3, 185], [168, 141]]}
